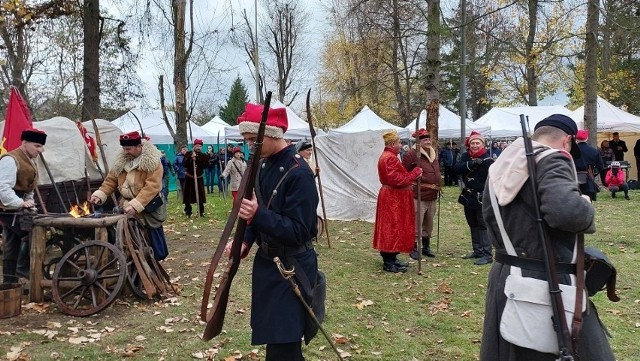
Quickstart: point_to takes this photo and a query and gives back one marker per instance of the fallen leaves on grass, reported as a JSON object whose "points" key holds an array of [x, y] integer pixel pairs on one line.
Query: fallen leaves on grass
{"points": [[441, 305], [131, 350], [50, 334], [37, 307], [362, 303], [15, 353], [340, 339], [445, 288]]}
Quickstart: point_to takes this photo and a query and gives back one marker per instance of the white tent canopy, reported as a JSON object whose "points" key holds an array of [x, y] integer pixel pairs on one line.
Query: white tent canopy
{"points": [[610, 118], [296, 129], [66, 152], [216, 126], [367, 120], [350, 178], [156, 129], [449, 124], [505, 122]]}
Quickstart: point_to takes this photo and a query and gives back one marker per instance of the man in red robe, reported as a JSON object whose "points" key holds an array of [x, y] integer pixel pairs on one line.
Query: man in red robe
{"points": [[394, 230]]}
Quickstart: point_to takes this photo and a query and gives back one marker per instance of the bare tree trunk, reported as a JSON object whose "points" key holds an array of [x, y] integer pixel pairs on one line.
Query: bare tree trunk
{"points": [[403, 109], [91, 66], [590, 70], [531, 76], [180, 59], [16, 57], [433, 69]]}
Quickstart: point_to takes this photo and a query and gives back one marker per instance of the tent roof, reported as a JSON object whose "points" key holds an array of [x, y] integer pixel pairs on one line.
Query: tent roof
{"points": [[449, 124], [505, 122], [610, 118], [216, 126], [155, 128], [367, 120]]}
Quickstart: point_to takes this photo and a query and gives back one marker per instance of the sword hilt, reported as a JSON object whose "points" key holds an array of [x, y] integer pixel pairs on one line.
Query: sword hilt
{"points": [[286, 273]]}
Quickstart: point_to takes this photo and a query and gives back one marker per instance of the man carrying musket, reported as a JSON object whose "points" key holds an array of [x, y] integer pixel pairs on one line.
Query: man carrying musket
{"points": [[565, 213], [281, 218], [18, 180], [201, 162]]}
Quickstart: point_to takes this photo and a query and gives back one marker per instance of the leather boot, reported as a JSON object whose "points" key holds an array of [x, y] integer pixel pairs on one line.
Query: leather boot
{"points": [[414, 253], [426, 249]]}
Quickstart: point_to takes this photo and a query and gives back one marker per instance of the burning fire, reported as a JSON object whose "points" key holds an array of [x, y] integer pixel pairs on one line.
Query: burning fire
{"points": [[77, 211]]}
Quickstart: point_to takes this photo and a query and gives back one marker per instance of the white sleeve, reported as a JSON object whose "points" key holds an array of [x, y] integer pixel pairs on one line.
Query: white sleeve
{"points": [[8, 174]]}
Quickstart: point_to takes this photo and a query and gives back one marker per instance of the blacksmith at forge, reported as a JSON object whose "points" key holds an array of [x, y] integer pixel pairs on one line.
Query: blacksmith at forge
{"points": [[18, 180], [189, 191], [137, 175], [281, 219]]}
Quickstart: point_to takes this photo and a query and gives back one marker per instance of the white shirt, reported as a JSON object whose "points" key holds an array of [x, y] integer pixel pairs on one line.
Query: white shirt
{"points": [[8, 175]]}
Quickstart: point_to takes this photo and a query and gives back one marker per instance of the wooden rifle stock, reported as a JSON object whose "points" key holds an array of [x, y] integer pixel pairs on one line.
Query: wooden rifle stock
{"points": [[559, 318], [215, 316]]}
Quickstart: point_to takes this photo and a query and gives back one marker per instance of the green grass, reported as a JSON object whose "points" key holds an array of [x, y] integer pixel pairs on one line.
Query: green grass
{"points": [[380, 316]]}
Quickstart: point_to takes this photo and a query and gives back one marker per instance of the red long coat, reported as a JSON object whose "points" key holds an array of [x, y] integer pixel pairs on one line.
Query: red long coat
{"points": [[394, 230]]}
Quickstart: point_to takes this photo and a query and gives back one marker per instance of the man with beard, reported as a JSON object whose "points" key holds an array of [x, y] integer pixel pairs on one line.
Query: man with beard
{"points": [[429, 188], [137, 175], [200, 161], [18, 180]]}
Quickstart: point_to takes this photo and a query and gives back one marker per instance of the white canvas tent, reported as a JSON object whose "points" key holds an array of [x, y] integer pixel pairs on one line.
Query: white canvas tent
{"points": [[155, 128], [216, 127], [610, 118], [368, 120], [66, 152], [449, 124], [505, 122], [296, 129], [349, 173]]}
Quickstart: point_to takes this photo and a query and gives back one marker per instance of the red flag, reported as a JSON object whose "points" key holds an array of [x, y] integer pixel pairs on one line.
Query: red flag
{"points": [[18, 118], [91, 143]]}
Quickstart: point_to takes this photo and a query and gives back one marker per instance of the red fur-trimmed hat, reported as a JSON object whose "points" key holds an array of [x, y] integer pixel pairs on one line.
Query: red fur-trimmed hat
{"points": [[130, 139], [34, 135], [472, 136], [421, 134], [276, 125], [198, 141], [237, 150]]}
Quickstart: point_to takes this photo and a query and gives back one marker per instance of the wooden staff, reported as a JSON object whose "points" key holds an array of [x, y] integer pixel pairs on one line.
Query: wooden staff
{"points": [[418, 203]]}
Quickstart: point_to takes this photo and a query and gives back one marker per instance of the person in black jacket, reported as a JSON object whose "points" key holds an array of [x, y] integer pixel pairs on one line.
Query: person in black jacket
{"points": [[282, 223], [636, 153], [473, 166], [619, 146], [588, 165]]}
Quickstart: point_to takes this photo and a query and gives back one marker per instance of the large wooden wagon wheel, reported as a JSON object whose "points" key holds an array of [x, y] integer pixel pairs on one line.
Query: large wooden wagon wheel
{"points": [[88, 278]]}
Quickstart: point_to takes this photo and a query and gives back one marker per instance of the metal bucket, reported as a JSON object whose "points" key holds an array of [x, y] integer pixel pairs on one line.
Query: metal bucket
{"points": [[10, 299]]}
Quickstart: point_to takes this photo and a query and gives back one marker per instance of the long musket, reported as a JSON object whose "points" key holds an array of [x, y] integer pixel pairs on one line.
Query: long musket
{"points": [[195, 172], [312, 130], [559, 318], [418, 203], [224, 196], [215, 316], [289, 275]]}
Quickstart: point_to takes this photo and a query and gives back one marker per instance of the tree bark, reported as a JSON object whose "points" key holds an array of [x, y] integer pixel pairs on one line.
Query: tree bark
{"points": [[180, 59], [590, 70], [433, 69], [91, 65], [531, 76]]}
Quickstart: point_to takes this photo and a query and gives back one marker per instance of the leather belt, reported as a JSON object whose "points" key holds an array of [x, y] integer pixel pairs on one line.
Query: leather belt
{"points": [[392, 187], [533, 264], [285, 251]]}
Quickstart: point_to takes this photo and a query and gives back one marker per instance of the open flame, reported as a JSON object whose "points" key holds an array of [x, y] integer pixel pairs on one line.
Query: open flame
{"points": [[77, 211]]}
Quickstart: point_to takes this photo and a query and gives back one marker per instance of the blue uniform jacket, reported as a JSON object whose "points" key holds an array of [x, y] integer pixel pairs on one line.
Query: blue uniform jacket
{"points": [[277, 315]]}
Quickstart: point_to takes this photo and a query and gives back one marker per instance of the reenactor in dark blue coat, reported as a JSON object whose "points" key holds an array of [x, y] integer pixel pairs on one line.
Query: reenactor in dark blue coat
{"points": [[588, 165], [282, 223]]}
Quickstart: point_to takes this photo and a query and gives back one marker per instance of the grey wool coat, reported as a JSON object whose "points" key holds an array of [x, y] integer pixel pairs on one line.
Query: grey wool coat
{"points": [[565, 213]]}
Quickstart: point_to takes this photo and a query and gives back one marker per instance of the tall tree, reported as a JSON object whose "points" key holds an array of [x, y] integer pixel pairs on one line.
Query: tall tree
{"points": [[591, 74], [432, 66], [91, 68], [180, 59], [235, 102]]}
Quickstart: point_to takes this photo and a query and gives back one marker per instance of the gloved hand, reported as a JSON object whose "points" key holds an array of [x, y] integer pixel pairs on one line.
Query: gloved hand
{"points": [[476, 162]]}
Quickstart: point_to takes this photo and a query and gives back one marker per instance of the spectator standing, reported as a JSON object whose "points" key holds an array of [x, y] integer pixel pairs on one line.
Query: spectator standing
{"points": [[606, 153], [209, 173], [619, 146], [448, 159], [636, 153], [235, 169], [473, 167], [305, 150], [588, 165], [178, 167], [166, 170]]}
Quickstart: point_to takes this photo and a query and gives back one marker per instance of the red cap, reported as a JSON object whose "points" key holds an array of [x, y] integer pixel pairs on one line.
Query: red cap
{"points": [[130, 139], [276, 125], [198, 141], [472, 136], [421, 134], [582, 134], [236, 150]]}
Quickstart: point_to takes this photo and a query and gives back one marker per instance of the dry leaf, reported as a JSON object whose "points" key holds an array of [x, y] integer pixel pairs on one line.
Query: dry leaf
{"points": [[364, 303], [140, 338]]}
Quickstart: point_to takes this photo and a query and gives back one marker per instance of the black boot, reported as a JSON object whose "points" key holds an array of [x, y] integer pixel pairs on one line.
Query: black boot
{"points": [[23, 263], [426, 249], [414, 253]]}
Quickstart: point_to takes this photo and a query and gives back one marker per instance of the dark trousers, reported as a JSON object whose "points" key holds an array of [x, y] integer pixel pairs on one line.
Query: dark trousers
{"points": [[188, 210], [15, 251], [209, 178], [284, 351], [479, 237], [449, 176]]}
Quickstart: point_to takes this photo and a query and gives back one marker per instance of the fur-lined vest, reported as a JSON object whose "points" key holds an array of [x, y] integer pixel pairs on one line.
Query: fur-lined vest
{"points": [[138, 180]]}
